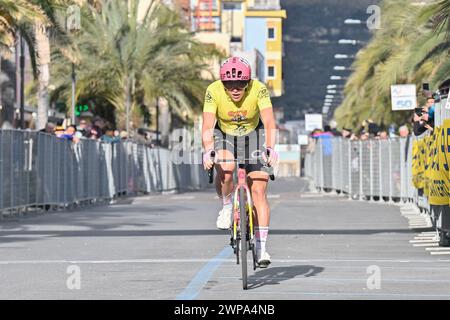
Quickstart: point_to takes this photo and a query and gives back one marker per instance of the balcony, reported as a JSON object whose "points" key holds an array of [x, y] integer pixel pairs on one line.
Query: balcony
{"points": [[264, 5]]}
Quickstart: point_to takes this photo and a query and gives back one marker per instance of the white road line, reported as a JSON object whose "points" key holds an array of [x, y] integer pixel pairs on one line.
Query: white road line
{"points": [[182, 197], [426, 244], [273, 196], [231, 260], [302, 278], [422, 241], [437, 249], [106, 261], [425, 238], [357, 295], [440, 252]]}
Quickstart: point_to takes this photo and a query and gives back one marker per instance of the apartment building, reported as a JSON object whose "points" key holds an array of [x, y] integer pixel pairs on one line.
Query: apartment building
{"points": [[249, 28]]}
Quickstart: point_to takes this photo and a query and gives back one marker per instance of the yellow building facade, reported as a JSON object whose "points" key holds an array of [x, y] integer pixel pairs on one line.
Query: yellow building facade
{"points": [[255, 28]]}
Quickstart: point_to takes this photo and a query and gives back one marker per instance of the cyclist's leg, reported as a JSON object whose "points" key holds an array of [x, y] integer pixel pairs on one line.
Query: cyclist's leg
{"points": [[224, 177], [224, 146], [257, 181]]}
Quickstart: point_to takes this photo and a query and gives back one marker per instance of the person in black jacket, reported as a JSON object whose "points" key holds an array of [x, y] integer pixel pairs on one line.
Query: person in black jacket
{"points": [[422, 122]]}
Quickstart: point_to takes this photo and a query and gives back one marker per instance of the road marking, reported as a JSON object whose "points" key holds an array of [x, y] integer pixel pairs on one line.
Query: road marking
{"points": [[202, 277], [437, 249], [426, 244], [355, 294], [324, 279], [273, 196], [222, 259], [422, 241], [109, 261], [182, 197], [440, 252]]}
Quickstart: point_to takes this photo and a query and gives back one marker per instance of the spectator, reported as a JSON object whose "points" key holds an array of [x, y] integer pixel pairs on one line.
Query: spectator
{"points": [[383, 135], [422, 121], [109, 137], [49, 128], [83, 128], [346, 133], [334, 130], [403, 131], [123, 135], [373, 128], [59, 131], [430, 108], [69, 134], [141, 137], [353, 137], [93, 134], [327, 150], [364, 136], [98, 126]]}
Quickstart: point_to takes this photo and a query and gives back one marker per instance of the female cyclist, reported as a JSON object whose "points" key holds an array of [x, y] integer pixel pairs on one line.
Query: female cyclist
{"points": [[238, 120]]}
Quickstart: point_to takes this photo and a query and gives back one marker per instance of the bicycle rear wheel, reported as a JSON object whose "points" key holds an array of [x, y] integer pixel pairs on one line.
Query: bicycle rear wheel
{"points": [[243, 228]]}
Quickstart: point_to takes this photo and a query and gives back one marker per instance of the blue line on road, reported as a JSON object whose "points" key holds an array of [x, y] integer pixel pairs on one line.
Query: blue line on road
{"points": [[202, 277]]}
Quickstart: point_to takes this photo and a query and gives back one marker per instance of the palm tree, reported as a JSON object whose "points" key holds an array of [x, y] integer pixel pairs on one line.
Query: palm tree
{"points": [[408, 49], [130, 56], [16, 19]]}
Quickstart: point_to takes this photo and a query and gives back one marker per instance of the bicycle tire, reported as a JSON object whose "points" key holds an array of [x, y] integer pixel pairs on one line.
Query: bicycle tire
{"points": [[243, 228]]}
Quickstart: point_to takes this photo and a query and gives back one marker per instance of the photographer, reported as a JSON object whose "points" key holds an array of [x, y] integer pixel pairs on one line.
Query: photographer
{"points": [[424, 118]]}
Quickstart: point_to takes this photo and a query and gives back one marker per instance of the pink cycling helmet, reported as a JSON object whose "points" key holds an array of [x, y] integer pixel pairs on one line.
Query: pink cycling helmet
{"points": [[235, 68]]}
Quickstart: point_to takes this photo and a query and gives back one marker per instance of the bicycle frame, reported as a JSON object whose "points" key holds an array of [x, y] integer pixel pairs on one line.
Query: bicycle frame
{"points": [[242, 183]]}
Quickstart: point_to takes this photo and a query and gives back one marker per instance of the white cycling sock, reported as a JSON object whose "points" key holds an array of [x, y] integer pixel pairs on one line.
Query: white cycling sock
{"points": [[227, 200], [261, 238]]}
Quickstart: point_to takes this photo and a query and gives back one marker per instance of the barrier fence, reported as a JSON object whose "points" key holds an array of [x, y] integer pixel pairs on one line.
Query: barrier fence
{"points": [[415, 169], [39, 170], [371, 169]]}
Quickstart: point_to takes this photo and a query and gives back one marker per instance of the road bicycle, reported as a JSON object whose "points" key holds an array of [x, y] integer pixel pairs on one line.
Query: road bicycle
{"points": [[242, 215]]}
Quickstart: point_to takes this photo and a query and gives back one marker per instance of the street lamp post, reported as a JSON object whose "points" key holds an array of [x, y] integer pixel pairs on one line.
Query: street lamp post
{"points": [[353, 21], [343, 56], [73, 76], [22, 84]]}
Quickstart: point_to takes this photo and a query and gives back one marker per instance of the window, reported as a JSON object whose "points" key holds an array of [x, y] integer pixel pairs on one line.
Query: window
{"points": [[271, 33], [232, 6], [271, 72]]}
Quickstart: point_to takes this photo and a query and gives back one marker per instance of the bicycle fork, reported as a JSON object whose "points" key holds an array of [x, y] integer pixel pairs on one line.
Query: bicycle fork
{"points": [[242, 176]]}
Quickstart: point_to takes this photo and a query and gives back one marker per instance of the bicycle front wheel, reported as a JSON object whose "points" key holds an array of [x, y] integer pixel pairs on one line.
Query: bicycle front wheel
{"points": [[243, 229]]}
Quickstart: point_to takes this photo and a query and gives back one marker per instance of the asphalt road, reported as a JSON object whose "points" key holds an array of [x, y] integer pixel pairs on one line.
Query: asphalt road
{"points": [[167, 247]]}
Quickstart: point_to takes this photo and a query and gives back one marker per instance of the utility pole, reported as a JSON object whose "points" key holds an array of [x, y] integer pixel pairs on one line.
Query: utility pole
{"points": [[22, 84]]}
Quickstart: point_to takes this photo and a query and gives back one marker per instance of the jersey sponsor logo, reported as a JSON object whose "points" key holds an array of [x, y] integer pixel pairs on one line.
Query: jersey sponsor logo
{"points": [[208, 97], [238, 116], [263, 93]]}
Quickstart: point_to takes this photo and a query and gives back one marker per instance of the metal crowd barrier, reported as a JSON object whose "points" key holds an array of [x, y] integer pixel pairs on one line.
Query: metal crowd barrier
{"points": [[371, 169], [38, 170]]}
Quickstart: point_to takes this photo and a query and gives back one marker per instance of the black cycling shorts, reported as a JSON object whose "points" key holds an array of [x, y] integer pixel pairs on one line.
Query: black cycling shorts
{"points": [[246, 149]]}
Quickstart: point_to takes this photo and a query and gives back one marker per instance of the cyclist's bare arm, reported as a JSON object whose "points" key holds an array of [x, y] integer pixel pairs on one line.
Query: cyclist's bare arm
{"points": [[268, 119], [209, 121]]}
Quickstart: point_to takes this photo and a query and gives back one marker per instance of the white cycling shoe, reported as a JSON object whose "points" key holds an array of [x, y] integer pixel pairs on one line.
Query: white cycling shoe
{"points": [[264, 260], [224, 219]]}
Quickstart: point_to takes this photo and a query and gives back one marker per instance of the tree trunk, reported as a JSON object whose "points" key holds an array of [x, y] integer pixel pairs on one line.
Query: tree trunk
{"points": [[43, 51], [164, 120]]}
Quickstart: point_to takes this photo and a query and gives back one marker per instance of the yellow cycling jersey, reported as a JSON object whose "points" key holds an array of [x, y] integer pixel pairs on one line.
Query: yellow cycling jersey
{"points": [[237, 118]]}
